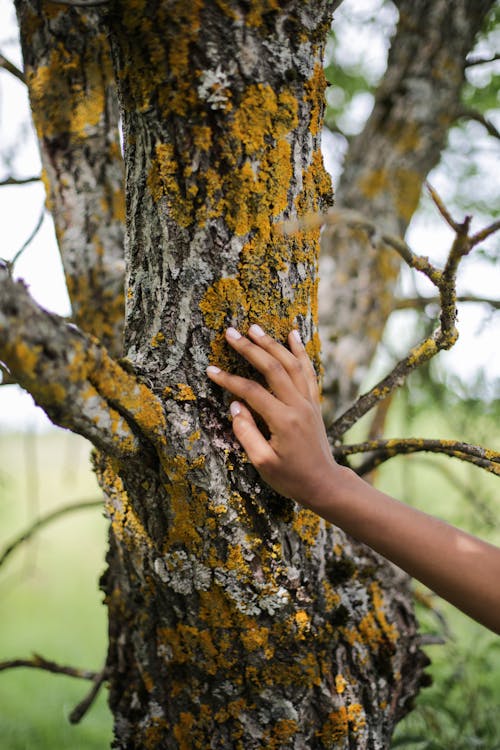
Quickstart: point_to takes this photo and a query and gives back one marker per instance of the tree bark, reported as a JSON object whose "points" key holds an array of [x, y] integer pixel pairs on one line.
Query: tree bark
{"points": [[69, 73], [236, 619], [416, 103]]}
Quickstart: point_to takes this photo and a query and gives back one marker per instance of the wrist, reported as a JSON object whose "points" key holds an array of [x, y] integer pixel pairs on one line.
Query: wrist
{"points": [[331, 493]]}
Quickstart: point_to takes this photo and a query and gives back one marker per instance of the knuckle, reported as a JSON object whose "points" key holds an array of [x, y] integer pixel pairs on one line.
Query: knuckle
{"points": [[274, 368]]}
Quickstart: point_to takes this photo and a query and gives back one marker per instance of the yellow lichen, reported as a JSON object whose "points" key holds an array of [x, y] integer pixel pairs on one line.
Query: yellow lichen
{"points": [[184, 393]]}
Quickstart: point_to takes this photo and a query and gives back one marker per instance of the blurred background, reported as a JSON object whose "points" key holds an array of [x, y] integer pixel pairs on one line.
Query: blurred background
{"points": [[49, 585]]}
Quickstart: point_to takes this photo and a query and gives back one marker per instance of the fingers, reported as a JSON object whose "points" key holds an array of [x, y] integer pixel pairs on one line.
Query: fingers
{"points": [[298, 349], [250, 437], [263, 402], [283, 371]]}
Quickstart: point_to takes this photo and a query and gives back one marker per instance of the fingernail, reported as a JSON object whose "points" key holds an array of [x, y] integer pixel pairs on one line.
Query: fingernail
{"points": [[296, 336], [235, 408], [233, 333], [256, 330], [213, 369]]}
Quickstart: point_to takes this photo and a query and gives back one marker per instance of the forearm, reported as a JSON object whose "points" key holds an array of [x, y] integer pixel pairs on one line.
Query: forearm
{"points": [[459, 567]]}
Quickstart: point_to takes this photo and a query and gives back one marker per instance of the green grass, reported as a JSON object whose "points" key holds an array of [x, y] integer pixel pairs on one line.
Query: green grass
{"points": [[51, 603], [50, 599]]}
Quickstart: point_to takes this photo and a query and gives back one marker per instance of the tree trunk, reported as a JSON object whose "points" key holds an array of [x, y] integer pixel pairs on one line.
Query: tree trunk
{"points": [[236, 619]]}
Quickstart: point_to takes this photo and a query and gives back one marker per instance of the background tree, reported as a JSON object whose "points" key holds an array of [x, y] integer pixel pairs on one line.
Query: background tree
{"points": [[216, 591]]}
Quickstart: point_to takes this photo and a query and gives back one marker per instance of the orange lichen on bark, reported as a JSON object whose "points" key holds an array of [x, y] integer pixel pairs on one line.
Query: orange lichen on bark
{"points": [[373, 630], [279, 735], [340, 723], [101, 319], [68, 92], [314, 94]]}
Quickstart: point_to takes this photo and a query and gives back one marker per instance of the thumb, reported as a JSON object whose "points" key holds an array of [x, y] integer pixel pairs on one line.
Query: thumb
{"points": [[249, 436]]}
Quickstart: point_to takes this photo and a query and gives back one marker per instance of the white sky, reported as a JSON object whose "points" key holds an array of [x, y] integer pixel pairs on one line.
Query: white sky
{"points": [[20, 209]]}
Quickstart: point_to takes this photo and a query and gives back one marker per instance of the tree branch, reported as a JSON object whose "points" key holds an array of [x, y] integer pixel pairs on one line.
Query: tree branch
{"points": [[81, 709], [11, 68], [38, 662], [40, 523], [474, 114], [471, 61], [73, 378], [412, 303], [19, 181], [443, 338], [27, 243], [383, 450]]}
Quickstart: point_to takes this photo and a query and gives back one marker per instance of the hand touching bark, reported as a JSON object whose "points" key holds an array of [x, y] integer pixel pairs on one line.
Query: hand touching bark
{"points": [[296, 460]]}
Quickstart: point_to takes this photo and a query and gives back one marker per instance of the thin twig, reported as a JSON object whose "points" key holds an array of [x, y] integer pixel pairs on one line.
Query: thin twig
{"points": [[38, 662], [412, 303], [19, 180], [442, 208], [44, 521], [30, 239], [11, 68], [383, 450], [474, 114], [81, 709], [481, 60]]}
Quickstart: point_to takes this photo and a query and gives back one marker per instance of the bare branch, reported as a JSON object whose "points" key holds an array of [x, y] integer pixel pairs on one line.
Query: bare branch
{"points": [[442, 208], [383, 450], [40, 523], [481, 60], [443, 338], [484, 233], [73, 378], [11, 68], [415, 303], [81, 709], [27, 243], [38, 662], [19, 180], [474, 114]]}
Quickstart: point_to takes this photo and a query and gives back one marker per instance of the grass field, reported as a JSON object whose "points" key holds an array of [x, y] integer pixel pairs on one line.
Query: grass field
{"points": [[51, 603]]}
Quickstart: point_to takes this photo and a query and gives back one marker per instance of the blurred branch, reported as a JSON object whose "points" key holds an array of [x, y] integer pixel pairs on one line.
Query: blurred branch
{"points": [[81, 709], [19, 181], [7, 378], [383, 450], [38, 662], [11, 68], [411, 303], [442, 338], [469, 63], [44, 521], [474, 114], [11, 263]]}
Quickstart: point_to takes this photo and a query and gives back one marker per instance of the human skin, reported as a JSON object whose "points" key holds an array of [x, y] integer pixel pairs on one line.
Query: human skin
{"points": [[296, 461]]}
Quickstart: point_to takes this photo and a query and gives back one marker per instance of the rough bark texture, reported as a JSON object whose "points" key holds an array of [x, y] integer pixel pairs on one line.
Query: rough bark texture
{"points": [[237, 620], [416, 102], [69, 73]]}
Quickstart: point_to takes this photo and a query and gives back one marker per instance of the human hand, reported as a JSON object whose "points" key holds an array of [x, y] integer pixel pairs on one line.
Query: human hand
{"points": [[296, 460]]}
